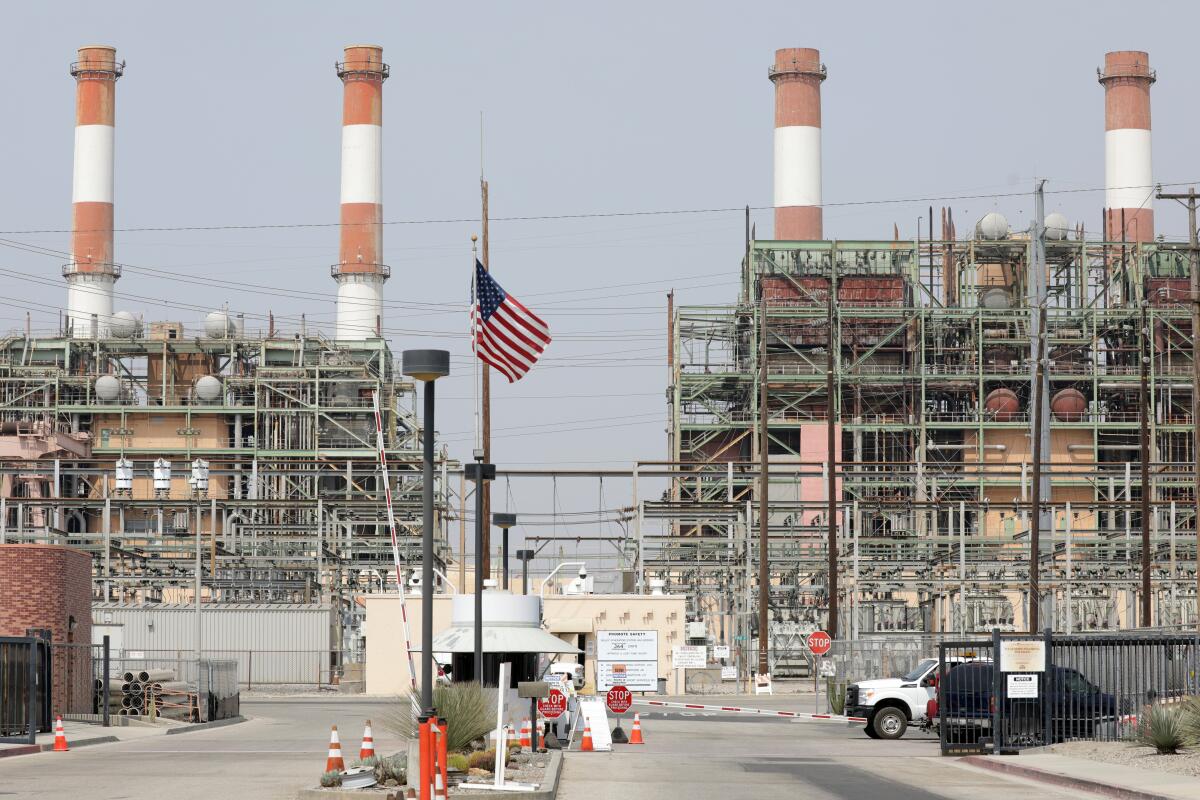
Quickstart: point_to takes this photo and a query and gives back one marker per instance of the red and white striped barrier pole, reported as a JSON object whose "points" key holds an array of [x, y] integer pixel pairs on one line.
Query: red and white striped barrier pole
{"points": [[762, 712]]}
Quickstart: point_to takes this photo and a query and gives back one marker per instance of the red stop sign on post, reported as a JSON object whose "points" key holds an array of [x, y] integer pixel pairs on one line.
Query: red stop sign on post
{"points": [[553, 705], [618, 699], [819, 643]]}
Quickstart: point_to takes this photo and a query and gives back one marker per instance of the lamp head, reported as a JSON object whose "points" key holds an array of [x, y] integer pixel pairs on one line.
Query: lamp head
{"points": [[504, 520], [425, 365]]}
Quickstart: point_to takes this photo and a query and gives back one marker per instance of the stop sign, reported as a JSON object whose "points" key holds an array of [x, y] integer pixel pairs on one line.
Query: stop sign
{"points": [[553, 705], [819, 643], [618, 699]]}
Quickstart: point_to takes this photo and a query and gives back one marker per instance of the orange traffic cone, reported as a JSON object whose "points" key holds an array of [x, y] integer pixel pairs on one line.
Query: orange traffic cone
{"points": [[334, 762], [368, 744], [439, 787], [635, 735], [60, 736], [586, 746], [524, 742]]}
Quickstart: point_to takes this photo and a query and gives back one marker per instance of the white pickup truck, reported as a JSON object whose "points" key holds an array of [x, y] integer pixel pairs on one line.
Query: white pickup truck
{"points": [[891, 704]]}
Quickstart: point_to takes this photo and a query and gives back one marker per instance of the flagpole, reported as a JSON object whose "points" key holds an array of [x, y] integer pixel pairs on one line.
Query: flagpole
{"points": [[485, 388], [475, 360]]}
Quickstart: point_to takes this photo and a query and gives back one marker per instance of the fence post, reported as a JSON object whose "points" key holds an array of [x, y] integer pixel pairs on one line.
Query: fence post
{"points": [[250, 671], [104, 679], [997, 693], [1047, 677]]}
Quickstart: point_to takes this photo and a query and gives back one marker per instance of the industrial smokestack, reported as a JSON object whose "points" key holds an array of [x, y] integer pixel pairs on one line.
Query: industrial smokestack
{"points": [[359, 271], [1128, 176], [797, 75], [91, 273]]}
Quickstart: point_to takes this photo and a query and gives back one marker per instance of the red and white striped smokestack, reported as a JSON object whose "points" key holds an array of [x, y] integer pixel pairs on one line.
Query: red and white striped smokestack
{"points": [[360, 272], [797, 75], [1128, 176], [91, 273]]}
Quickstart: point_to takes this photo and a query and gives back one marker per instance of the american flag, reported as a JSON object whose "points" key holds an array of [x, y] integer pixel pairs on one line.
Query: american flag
{"points": [[506, 335]]}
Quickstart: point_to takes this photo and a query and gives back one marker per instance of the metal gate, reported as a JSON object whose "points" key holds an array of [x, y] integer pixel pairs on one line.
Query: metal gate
{"points": [[24, 688], [1027, 690]]}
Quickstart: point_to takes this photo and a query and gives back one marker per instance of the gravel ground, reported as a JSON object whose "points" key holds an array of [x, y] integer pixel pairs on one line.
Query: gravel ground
{"points": [[1187, 763], [527, 771]]}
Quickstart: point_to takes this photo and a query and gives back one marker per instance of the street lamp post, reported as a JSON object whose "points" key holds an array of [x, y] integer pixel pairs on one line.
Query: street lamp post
{"points": [[480, 473], [427, 366], [524, 556], [504, 521]]}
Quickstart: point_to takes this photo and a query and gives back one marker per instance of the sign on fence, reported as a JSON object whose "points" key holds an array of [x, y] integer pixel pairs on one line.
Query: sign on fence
{"points": [[689, 656], [1022, 655], [1022, 687]]}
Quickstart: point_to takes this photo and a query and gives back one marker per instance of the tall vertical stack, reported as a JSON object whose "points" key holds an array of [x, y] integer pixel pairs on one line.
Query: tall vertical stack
{"points": [[91, 272], [797, 75], [1128, 176], [360, 272]]}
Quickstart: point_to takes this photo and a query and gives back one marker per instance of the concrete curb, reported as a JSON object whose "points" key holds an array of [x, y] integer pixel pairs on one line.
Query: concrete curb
{"points": [[553, 776], [30, 749], [203, 726], [1066, 781]]}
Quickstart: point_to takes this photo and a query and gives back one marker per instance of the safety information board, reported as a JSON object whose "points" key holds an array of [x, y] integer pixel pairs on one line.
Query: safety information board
{"points": [[1022, 686], [627, 658], [689, 656], [1022, 655]]}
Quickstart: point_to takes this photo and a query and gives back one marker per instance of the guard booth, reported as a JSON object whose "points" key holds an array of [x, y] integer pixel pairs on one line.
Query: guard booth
{"points": [[512, 633], [24, 688]]}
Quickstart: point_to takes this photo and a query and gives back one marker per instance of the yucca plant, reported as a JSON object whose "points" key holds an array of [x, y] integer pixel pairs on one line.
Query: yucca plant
{"points": [[1161, 727], [468, 708]]}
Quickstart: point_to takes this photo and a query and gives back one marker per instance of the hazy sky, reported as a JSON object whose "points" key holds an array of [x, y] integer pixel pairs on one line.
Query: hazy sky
{"points": [[230, 114]]}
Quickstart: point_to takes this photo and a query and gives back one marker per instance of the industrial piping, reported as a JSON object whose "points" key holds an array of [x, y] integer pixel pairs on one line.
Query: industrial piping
{"points": [[797, 75], [91, 272], [1128, 176], [360, 272]]}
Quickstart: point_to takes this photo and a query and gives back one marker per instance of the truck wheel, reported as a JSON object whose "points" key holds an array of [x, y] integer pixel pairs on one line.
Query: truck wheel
{"points": [[869, 728], [889, 723]]}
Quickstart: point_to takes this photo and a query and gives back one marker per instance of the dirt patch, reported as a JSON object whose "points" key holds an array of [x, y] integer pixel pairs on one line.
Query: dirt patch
{"points": [[1184, 763]]}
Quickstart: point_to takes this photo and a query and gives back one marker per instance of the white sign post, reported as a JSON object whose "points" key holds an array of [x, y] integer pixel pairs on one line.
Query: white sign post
{"points": [[501, 735], [627, 658]]}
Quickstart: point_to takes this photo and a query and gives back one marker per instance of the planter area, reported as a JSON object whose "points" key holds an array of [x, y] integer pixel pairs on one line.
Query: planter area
{"points": [[543, 769]]}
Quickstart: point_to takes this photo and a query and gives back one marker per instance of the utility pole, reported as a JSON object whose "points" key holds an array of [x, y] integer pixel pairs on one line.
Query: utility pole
{"points": [[831, 477], [1039, 429], [1194, 273], [1144, 448], [764, 439]]}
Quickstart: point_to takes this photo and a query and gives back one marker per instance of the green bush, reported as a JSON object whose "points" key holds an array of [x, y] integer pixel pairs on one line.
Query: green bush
{"points": [[393, 767], [483, 759], [1161, 727], [458, 762], [331, 779], [468, 708], [835, 690]]}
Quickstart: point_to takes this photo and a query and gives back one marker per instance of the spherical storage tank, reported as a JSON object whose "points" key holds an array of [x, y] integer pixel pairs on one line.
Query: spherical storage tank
{"points": [[1068, 405], [208, 388], [218, 325], [123, 325], [1002, 404], [995, 298], [992, 227], [1057, 227], [108, 388]]}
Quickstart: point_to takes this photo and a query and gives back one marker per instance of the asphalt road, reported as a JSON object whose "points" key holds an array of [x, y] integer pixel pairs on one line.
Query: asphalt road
{"points": [[714, 756], [282, 748]]}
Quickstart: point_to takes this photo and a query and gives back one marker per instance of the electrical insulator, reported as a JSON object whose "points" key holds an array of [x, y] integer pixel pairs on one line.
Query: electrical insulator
{"points": [[162, 476], [199, 479], [124, 475]]}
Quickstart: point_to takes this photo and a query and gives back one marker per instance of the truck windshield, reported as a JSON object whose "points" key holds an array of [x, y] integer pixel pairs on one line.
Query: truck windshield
{"points": [[919, 670]]}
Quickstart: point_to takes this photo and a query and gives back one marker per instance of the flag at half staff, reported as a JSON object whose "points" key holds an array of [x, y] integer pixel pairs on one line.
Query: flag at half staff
{"points": [[506, 335]]}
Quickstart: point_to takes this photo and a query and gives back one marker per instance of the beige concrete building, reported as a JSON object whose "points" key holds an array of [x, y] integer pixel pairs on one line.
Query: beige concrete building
{"points": [[573, 618]]}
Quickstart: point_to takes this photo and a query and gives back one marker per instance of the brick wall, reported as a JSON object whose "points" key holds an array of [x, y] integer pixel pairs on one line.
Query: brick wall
{"points": [[48, 586]]}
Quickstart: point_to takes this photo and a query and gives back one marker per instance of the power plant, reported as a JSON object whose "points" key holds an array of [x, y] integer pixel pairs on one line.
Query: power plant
{"points": [[936, 435]]}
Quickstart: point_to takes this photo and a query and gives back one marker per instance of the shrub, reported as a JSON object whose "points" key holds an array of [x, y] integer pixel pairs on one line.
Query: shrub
{"points": [[1161, 727], [836, 692], [331, 779], [392, 767], [468, 708], [458, 762], [483, 759], [372, 761]]}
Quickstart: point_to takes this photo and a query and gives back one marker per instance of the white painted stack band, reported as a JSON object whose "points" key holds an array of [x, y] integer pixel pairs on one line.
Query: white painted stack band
{"points": [[90, 273], [360, 271], [797, 74], [1128, 167]]}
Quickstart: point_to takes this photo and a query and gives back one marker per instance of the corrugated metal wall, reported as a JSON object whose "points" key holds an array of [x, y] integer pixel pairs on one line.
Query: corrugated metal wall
{"points": [[271, 643]]}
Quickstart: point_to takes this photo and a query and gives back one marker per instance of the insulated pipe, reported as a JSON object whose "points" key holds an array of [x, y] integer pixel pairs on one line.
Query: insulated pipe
{"points": [[797, 75], [360, 272], [1128, 177], [91, 273]]}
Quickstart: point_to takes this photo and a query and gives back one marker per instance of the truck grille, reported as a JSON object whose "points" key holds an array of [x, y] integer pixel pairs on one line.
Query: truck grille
{"points": [[851, 695]]}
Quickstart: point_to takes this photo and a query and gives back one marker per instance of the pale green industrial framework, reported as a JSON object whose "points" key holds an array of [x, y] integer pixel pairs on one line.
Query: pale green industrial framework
{"points": [[934, 493]]}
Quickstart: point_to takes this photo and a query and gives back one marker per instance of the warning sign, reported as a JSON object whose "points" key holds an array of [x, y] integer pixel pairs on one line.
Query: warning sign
{"points": [[553, 705]]}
